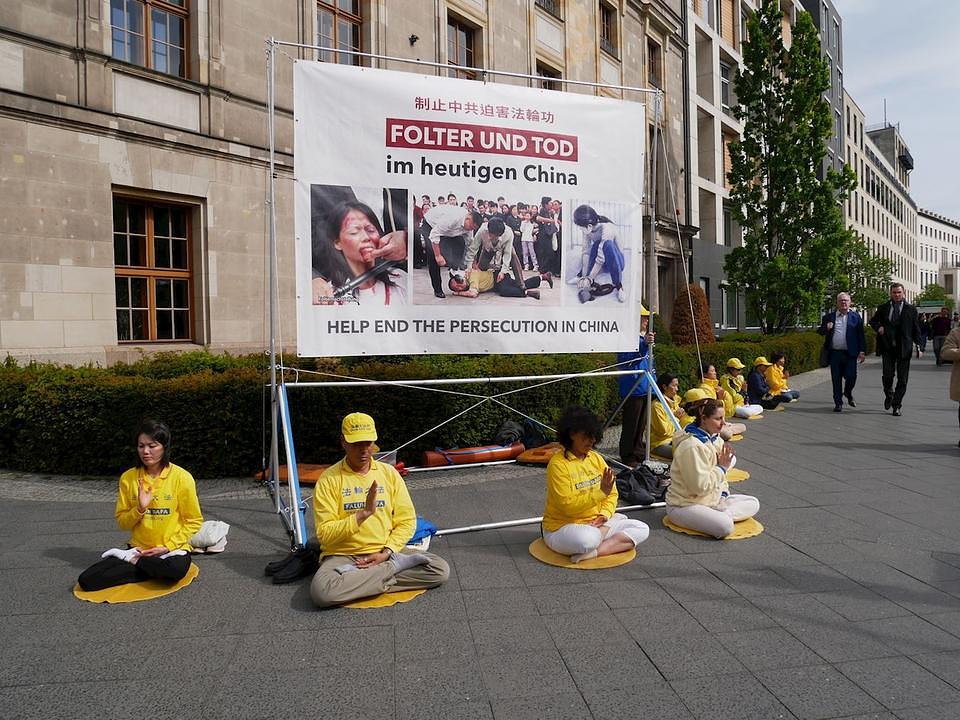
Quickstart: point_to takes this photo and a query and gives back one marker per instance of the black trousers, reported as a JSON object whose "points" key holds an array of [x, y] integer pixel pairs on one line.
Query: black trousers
{"points": [[843, 372], [112, 571], [453, 249], [510, 287], [901, 366], [634, 426]]}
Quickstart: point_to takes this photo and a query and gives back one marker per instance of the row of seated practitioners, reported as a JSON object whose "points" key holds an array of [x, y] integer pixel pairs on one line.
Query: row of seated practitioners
{"points": [[364, 515], [764, 388]]}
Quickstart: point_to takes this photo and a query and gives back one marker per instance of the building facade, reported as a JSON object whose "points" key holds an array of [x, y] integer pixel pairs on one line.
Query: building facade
{"points": [[134, 148], [939, 253], [717, 30], [830, 25], [880, 209]]}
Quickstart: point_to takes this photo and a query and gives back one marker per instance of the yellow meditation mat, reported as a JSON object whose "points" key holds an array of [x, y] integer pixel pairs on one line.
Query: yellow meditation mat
{"points": [[741, 530], [134, 592], [778, 408], [735, 475], [736, 438], [756, 417], [386, 599], [538, 548]]}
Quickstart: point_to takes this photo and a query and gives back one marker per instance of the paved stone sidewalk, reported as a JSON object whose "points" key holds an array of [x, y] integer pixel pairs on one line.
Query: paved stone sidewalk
{"points": [[848, 606]]}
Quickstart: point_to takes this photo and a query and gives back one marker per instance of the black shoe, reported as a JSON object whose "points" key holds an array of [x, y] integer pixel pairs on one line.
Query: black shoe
{"points": [[838, 407], [897, 412], [887, 403], [276, 566], [304, 562], [439, 294], [850, 401]]}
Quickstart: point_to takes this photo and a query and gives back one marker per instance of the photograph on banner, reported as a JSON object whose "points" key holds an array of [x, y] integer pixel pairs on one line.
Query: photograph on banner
{"points": [[462, 238], [490, 251], [359, 245], [603, 238]]}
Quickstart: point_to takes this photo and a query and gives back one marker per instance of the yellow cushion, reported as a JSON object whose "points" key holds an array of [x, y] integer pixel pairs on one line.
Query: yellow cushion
{"points": [[778, 408], [386, 599], [736, 438], [744, 529], [756, 417], [134, 592], [735, 475], [538, 548]]}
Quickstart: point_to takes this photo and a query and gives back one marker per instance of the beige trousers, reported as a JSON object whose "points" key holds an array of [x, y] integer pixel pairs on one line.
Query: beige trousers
{"points": [[331, 588]]}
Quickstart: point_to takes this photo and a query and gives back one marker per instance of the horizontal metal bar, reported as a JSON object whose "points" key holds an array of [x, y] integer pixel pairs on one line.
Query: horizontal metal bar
{"points": [[462, 381], [454, 467], [529, 521], [468, 68]]}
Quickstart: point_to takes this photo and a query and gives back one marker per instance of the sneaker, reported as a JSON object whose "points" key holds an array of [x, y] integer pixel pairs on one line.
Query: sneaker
{"points": [[574, 280], [850, 401], [621, 295], [302, 563], [838, 408]]}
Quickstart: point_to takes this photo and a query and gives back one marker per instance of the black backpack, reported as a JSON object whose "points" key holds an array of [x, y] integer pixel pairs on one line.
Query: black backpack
{"points": [[510, 432], [645, 484], [533, 435]]}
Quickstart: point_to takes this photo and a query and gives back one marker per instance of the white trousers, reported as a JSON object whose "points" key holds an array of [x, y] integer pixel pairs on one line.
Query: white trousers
{"points": [[730, 429], [576, 539], [718, 520], [747, 411]]}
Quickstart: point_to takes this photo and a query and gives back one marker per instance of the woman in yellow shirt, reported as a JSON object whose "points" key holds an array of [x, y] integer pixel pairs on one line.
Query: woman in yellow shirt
{"points": [[734, 384], [777, 376], [710, 384], [661, 426], [157, 502], [580, 518]]}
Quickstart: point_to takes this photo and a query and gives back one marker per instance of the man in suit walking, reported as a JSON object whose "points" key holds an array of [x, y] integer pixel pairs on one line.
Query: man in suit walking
{"points": [[898, 332], [845, 345]]}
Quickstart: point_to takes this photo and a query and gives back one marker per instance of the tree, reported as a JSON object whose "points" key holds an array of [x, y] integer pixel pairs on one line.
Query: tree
{"points": [[935, 293], [865, 276], [791, 217], [687, 328]]}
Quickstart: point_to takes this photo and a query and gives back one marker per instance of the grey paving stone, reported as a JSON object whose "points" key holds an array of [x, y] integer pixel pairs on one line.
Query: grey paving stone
{"points": [[693, 588], [652, 623], [431, 682], [842, 641], [817, 692], [728, 615], [632, 593], [947, 711], [525, 675], [899, 682], [557, 599], [729, 696], [910, 635], [945, 666], [496, 636], [445, 640], [768, 648], [861, 603], [478, 710], [565, 706], [499, 602], [601, 667], [651, 701], [690, 656], [591, 628]]}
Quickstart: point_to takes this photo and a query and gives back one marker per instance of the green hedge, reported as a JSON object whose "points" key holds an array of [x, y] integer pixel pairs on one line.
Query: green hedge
{"points": [[80, 420]]}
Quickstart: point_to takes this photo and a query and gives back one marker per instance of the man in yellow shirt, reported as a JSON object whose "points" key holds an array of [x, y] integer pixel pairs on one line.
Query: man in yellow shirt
{"points": [[364, 518]]}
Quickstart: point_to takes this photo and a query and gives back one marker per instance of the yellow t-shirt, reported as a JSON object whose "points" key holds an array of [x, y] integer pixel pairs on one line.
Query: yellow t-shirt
{"points": [[573, 491], [733, 384], [661, 426], [711, 386], [775, 379], [341, 493], [173, 515]]}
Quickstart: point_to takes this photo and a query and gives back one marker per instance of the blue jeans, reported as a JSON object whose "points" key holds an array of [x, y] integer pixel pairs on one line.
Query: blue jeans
{"points": [[613, 261]]}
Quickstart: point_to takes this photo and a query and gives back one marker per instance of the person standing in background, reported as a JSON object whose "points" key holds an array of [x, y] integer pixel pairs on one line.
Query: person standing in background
{"points": [[898, 332]]}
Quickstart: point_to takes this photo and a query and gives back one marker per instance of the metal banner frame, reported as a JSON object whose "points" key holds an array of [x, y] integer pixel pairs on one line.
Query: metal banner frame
{"points": [[292, 513]]}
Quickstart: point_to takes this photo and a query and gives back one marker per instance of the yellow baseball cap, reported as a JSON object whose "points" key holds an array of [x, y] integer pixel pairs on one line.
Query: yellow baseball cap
{"points": [[761, 361], [735, 363], [358, 427], [643, 311], [694, 395]]}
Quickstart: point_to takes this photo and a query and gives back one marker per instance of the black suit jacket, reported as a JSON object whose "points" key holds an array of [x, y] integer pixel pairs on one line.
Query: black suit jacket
{"points": [[891, 343]]}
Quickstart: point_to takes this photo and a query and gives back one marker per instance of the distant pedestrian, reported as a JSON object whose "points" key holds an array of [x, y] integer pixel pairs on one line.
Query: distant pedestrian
{"points": [[845, 344], [951, 353], [898, 332], [939, 329]]}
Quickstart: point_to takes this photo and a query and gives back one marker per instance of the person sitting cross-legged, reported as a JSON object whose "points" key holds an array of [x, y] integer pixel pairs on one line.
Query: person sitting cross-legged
{"points": [[580, 518], [777, 377], [698, 497], [364, 518], [735, 384]]}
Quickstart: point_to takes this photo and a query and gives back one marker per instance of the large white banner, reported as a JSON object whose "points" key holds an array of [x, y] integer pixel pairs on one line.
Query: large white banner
{"points": [[440, 215]]}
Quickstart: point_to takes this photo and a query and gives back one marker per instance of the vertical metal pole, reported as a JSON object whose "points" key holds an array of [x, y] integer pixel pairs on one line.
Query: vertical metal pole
{"points": [[652, 262], [274, 401]]}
